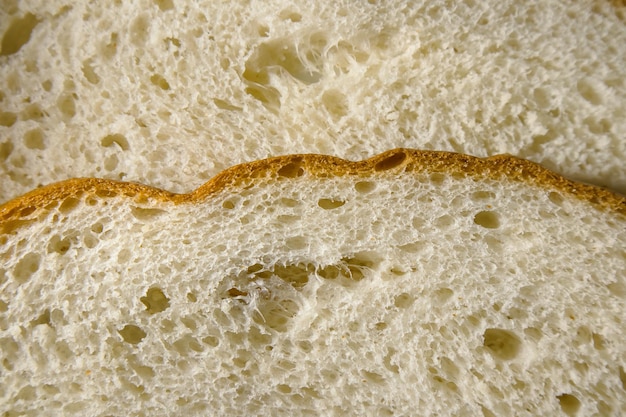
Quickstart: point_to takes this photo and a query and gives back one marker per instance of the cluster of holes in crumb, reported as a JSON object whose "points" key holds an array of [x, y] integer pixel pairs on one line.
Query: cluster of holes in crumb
{"points": [[488, 218], [273, 291], [286, 60], [114, 144]]}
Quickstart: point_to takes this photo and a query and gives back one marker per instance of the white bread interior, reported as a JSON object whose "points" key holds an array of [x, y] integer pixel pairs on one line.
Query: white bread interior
{"points": [[316, 287], [170, 92]]}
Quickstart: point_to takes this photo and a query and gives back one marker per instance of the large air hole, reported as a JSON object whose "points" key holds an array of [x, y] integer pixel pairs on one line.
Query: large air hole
{"points": [[69, 204], [44, 318], [390, 162], [146, 214], [132, 334], [17, 34], [7, 119], [296, 275], [487, 219], [34, 139], [115, 139], [155, 301], [569, 404], [330, 204], [291, 170], [502, 344]]}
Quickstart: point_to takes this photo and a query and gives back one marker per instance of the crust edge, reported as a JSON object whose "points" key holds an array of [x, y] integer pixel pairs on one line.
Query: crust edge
{"points": [[392, 161]]}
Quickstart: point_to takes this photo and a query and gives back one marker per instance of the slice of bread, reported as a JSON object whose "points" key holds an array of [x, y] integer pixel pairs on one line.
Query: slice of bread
{"points": [[171, 92], [412, 283]]}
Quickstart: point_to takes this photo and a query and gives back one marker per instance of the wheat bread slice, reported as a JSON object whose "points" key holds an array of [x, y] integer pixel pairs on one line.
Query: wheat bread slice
{"points": [[413, 282]]}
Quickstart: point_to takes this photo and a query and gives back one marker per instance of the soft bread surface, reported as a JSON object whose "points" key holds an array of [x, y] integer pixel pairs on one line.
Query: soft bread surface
{"points": [[171, 92], [412, 282]]}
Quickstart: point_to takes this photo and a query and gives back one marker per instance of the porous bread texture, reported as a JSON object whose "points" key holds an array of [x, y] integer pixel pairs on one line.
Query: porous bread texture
{"points": [[383, 288], [170, 92]]}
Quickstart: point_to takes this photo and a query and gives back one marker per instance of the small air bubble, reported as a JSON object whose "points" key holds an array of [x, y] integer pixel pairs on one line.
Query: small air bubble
{"points": [[89, 72], [160, 82], [380, 326], [403, 300], [66, 104], [34, 139], [483, 195], [97, 228], [26, 267], [211, 341], [444, 221], [58, 245], [598, 341], [165, 5], [335, 103], [283, 388], [365, 187], [443, 294], [618, 289], [555, 198], [296, 242]]}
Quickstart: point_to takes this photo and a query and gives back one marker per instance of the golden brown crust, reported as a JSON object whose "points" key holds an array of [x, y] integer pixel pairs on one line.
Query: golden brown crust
{"points": [[290, 166]]}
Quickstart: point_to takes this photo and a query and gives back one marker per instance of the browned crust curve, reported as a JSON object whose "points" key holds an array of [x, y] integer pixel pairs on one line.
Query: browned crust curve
{"points": [[393, 161]]}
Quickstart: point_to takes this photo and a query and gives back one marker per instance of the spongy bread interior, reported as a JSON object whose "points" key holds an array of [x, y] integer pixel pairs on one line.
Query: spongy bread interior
{"points": [[169, 93], [374, 293]]}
